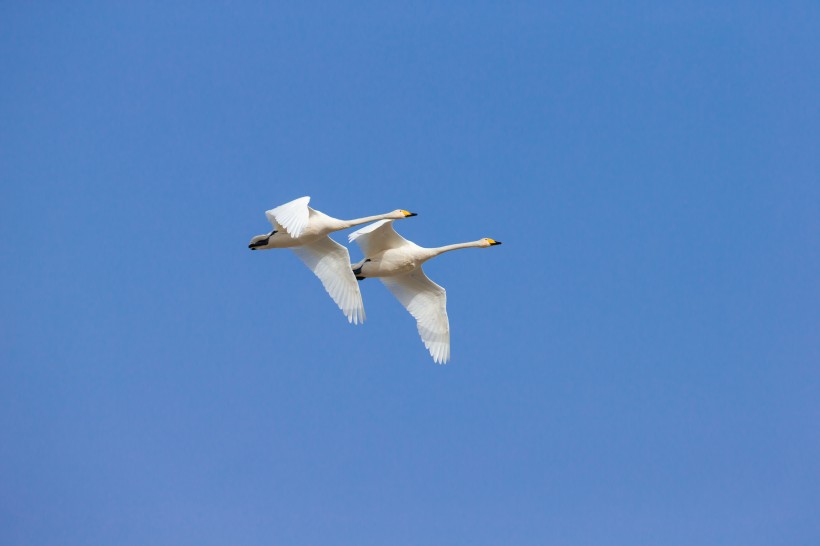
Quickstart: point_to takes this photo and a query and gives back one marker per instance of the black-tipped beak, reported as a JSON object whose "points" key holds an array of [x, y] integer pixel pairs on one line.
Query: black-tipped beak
{"points": [[495, 243], [409, 214]]}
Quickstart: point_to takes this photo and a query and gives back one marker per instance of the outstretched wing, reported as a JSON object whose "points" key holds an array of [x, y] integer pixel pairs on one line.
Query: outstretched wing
{"points": [[376, 237], [427, 302], [292, 216], [330, 261]]}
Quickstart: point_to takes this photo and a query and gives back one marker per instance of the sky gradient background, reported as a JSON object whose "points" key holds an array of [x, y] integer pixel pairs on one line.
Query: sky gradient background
{"points": [[637, 364]]}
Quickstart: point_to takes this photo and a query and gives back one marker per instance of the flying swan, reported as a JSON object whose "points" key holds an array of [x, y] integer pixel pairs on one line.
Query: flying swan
{"points": [[305, 231], [397, 262]]}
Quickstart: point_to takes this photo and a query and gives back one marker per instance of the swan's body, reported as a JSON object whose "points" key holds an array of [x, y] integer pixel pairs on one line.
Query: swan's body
{"points": [[397, 262], [305, 231]]}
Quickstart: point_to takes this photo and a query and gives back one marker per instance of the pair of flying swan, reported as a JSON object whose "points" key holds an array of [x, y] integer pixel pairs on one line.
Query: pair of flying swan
{"points": [[387, 255]]}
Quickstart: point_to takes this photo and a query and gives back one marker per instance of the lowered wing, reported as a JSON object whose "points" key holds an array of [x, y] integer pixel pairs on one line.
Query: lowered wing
{"points": [[427, 302], [330, 261]]}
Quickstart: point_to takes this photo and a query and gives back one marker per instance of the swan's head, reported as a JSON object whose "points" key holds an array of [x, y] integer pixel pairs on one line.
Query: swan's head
{"points": [[398, 214], [486, 241]]}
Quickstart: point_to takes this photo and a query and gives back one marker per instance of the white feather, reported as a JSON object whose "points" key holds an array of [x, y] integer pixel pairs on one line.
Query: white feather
{"points": [[376, 237], [292, 216], [427, 302], [330, 261]]}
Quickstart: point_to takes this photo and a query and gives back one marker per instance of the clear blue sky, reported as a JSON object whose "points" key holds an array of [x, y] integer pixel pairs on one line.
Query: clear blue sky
{"points": [[637, 364]]}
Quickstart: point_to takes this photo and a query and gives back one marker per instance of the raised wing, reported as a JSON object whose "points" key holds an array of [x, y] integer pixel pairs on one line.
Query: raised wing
{"points": [[292, 216], [376, 237], [330, 261], [427, 302]]}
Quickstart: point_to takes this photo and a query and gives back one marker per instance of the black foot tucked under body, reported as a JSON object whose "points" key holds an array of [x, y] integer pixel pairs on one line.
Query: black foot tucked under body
{"points": [[358, 270], [261, 242]]}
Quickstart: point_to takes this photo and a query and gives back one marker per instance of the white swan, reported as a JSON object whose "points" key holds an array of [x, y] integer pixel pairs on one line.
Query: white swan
{"points": [[305, 231], [397, 262]]}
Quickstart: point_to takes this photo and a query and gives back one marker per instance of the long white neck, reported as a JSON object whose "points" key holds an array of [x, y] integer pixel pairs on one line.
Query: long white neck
{"points": [[447, 248], [359, 221]]}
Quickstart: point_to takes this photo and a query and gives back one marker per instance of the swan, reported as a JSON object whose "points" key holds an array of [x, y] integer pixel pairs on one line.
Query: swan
{"points": [[305, 231], [397, 262]]}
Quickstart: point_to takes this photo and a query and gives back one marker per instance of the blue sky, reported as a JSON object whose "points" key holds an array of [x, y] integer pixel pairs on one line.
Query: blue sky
{"points": [[637, 364]]}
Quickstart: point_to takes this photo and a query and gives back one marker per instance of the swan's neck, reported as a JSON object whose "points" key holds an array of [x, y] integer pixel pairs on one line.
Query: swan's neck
{"points": [[447, 248], [359, 221]]}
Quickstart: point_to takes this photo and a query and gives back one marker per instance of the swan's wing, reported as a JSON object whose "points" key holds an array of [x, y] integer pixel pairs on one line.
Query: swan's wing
{"points": [[427, 302], [376, 237], [330, 261], [292, 216]]}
